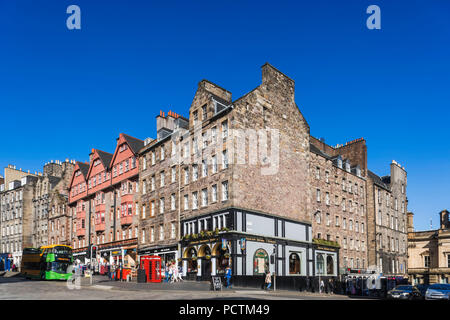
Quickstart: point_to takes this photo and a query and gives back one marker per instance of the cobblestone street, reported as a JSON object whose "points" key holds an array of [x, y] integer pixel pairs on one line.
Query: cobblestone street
{"points": [[18, 288]]}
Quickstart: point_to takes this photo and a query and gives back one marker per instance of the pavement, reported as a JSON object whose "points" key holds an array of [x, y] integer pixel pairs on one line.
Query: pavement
{"points": [[15, 287]]}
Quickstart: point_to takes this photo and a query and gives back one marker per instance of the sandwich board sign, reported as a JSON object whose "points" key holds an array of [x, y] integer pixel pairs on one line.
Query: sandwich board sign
{"points": [[216, 283]]}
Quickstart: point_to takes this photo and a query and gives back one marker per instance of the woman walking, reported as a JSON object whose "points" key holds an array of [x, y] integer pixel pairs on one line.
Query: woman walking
{"points": [[268, 281]]}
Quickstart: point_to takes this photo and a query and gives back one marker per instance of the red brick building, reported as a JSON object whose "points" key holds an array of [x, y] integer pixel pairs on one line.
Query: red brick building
{"points": [[102, 200]]}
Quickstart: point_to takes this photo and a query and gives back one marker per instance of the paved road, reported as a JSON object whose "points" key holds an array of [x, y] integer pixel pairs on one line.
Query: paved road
{"points": [[18, 288]]}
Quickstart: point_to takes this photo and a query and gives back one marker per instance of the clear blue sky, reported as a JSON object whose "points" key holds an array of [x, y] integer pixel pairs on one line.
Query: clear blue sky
{"points": [[63, 92]]}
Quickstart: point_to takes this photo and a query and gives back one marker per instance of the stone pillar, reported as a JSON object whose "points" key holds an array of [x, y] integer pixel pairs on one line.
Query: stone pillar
{"points": [[213, 266], [199, 267]]}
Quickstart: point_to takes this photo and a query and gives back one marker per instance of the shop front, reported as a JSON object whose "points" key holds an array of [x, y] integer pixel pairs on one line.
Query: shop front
{"points": [[80, 256], [202, 260], [168, 254], [250, 244]]}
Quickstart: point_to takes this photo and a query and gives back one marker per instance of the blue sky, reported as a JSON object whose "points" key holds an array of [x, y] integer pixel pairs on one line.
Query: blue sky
{"points": [[63, 92]]}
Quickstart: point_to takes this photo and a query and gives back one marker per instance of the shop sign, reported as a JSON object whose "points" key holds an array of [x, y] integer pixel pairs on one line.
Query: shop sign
{"points": [[224, 244], [115, 253], [326, 249], [202, 241], [242, 243]]}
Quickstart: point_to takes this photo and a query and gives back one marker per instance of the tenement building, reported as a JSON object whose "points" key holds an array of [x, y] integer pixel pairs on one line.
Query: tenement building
{"points": [[159, 178], [104, 205], [16, 206], [387, 221], [338, 188], [231, 181], [53, 183], [59, 218], [429, 252]]}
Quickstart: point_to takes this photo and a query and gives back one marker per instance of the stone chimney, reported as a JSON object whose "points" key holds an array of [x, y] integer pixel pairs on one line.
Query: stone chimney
{"points": [[91, 155], [276, 81], [165, 124], [445, 223], [410, 222]]}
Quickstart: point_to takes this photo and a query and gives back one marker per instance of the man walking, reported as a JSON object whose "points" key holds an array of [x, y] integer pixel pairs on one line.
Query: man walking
{"points": [[228, 276]]}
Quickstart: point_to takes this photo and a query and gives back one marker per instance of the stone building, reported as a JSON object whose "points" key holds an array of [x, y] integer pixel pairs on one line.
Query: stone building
{"points": [[339, 200], [55, 178], [103, 203], [16, 212], [429, 252], [232, 183], [387, 221]]}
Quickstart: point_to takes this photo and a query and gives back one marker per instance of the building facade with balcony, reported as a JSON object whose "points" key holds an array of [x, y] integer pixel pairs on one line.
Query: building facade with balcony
{"points": [[103, 198]]}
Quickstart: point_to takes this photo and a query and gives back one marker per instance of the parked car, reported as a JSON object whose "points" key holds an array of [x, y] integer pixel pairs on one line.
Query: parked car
{"points": [[423, 289], [404, 292], [438, 291]]}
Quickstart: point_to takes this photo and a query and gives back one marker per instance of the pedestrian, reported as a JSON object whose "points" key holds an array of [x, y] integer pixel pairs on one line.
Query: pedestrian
{"points": [[322, 286], [308, 284], [268, 280], [331, 286], [170, 273], [166, 273], [180, 273], [228, 276]]}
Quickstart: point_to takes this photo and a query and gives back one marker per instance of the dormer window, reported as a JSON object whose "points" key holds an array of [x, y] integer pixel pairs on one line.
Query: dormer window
{"points": [[339, 162], [123, 147], [96, 162], [347, 166]]}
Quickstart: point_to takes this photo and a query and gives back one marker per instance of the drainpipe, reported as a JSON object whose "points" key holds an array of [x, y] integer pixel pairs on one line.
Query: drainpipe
{"points": [[114, 215], [179, 197]]}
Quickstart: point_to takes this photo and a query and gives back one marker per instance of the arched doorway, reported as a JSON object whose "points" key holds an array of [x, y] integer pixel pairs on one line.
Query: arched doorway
{"points": [[294, 263], [260, 262], [205, 254], [223, 258], [191, 255], [330, 265]]}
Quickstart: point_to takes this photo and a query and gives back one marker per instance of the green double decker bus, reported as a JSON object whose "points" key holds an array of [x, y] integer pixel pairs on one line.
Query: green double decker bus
{"points": [[51, 262]]}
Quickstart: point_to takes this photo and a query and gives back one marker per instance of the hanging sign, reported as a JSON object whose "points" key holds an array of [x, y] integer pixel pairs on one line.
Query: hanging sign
{"points": [[224, 244], [242, 242]]}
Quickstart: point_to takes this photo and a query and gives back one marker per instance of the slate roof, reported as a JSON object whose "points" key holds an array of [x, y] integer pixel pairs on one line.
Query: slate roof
{"points": [[105, 158], [134, 143], [377, 180], [316, 150], [84, 168]]}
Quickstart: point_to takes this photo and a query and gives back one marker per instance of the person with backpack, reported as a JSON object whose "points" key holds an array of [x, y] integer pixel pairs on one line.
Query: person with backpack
{"points": [[228, 276]]}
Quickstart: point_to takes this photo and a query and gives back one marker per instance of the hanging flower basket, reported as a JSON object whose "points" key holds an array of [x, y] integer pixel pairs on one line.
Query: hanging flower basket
{"points": [[226, 255], [194, 258], [208, 257]]}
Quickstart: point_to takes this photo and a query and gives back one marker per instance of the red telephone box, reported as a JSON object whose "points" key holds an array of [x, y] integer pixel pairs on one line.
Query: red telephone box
{"points": [[152, 267]]}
